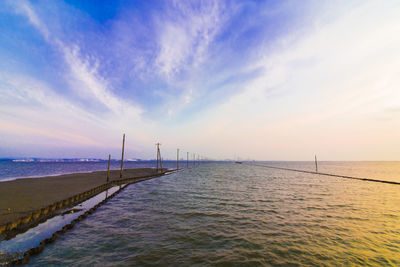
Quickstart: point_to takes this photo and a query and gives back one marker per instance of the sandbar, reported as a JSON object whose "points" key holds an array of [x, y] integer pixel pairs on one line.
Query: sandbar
{"points": [[20, 197]]}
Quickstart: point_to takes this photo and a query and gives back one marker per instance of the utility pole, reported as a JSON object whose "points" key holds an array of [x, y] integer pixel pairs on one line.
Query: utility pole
{"points": [[122, 157], [158, 156], [187, 160], [108, 168], [177, 158], [316, 164]]}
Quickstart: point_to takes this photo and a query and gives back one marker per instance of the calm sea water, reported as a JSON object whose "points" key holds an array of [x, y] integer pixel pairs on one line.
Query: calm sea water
{"points": [[384, 170], [232, 214]]}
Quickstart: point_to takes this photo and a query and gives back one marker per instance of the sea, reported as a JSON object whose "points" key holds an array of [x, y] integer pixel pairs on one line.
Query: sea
{"points": [[230, 214]]}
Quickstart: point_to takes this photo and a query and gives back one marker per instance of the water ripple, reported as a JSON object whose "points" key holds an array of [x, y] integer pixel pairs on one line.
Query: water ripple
{"points": [[221, 214]]}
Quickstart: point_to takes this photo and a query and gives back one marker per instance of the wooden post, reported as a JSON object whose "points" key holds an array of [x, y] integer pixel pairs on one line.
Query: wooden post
{"points": [[122, 156], [158, 156], [108, 168], [177, 158], [187, 160], [316, 165], [194, 159]]}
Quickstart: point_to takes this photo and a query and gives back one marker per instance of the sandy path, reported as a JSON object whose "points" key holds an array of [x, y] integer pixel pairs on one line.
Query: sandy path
{"points": [[19, 197]]}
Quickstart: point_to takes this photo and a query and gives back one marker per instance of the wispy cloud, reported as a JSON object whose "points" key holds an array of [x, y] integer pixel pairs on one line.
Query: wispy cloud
{"points": [[24, 101], [186, 33], [84, 75], [27, 99], [313, 87], [24, 7], [87, 82], [281, 76]]}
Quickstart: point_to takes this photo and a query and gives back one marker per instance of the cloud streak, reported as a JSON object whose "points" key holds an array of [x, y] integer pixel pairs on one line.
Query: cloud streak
{"points": [[278, 80]]}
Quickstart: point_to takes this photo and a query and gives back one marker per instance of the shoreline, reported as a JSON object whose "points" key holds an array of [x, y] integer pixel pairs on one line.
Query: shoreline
{"points": [[8, 179]]}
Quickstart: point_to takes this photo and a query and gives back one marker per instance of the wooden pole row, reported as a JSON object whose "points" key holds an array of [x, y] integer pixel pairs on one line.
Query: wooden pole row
{"points": [[159, 159]]}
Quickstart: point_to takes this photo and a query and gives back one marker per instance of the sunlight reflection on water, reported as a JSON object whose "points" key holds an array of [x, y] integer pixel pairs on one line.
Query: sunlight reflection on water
{"points": [[237, 214]]}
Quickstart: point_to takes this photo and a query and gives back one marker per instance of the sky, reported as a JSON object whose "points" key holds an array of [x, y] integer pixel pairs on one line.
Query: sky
{"points": [[260, 80]]}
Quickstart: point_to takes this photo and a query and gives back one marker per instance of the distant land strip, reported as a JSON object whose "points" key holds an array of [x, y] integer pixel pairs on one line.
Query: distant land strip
{"points": [[326, 174]]}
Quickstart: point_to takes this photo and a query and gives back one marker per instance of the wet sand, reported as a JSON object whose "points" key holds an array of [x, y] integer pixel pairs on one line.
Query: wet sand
{"points": [[20, 197]]}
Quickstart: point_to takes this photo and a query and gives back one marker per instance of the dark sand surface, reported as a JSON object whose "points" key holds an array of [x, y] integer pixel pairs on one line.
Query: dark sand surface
{"points": [[20, 197]]}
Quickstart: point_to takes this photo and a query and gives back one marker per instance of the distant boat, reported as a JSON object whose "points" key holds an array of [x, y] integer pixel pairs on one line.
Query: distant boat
{"points": [[238, 162]]}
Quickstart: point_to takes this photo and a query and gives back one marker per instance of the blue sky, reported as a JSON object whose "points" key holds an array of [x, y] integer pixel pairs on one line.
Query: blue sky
{"points": [[278, 80]]}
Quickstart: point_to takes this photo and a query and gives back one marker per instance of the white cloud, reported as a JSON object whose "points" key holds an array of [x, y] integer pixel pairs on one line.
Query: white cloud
{"points": [[33, 108], [23, 7], [85, 78], [321, 91], [84, 74], [186, 34], [29, 107]]}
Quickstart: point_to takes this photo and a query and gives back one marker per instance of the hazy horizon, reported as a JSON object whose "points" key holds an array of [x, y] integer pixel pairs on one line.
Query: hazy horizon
{"points": [[262, 80], [181, 159]]}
